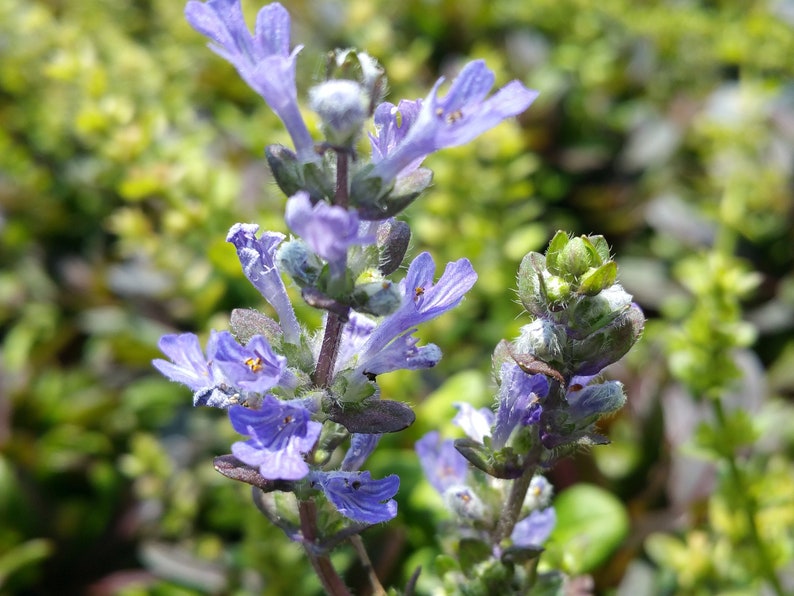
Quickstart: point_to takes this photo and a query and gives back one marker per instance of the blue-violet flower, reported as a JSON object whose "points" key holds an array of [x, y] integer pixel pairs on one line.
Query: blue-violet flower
{"points": [[281, 433], [461, 115], [357, 496], [263, 60]]}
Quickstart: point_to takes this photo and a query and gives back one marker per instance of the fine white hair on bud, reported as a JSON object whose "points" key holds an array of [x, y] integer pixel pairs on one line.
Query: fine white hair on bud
{"points": [[343, 106], [464, 503]]}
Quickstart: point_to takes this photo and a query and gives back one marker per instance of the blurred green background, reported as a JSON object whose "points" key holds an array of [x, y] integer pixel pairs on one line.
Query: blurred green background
{"points": [[127, 150]]}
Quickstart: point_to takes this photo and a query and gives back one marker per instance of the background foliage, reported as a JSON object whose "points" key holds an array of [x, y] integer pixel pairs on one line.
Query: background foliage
{"points": [[127, 149]]}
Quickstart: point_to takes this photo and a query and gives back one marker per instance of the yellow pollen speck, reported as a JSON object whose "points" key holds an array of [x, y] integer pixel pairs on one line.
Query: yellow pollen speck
{"points": [[255, 364]]}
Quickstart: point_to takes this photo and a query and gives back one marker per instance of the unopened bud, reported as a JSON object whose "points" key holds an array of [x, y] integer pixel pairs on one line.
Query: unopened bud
{"points": [[591, 313], [464, 503], [575, 258], [299, 262], [594, 401], [531, 283], [544, 340], [379, 298], [539, 493], [286, 168], [609, 344], [343, 106]]}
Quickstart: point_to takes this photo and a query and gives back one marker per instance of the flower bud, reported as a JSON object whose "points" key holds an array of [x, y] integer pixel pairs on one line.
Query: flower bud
{"points": [[539, 493], [531, 283], [591, 313], [299, 262], [379, 298], [609, 344], [544, 340], [557, 290], [292, 174], [376, 200], [286, 168], [575, 258], [464, 503], [594, 401], [359, 66], [598, 279], [343, 106]]}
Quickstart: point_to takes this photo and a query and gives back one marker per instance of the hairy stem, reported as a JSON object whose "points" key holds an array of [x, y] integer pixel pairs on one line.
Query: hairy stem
{"points": [[328, 350], [512, 508], [321, 564], [342, 192], [322, 377]]}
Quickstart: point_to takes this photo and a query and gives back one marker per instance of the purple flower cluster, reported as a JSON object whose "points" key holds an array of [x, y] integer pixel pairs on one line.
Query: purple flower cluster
{"points": [[467, 495], [280, 382]]}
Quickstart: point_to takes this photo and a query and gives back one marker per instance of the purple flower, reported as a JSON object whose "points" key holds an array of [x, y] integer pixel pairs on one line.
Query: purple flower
{"points": [[263, 60], [357, 496], [539, 493], [406, 137], [442, 464], [257, 256], [281, 433], [253, 367], [328, 229], [191, 367], [361, 446], [475, 423], [393, 123], [519, 401], [535, 528], [355, 334], [422, 301]]}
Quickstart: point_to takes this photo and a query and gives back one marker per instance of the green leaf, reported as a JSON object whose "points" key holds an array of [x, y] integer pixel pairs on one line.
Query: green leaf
{"points": [[591, 524]]}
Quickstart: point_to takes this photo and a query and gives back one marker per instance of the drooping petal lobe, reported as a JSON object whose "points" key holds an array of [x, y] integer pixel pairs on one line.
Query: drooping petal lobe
{"points": [[361, 446], [358, 497]]}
